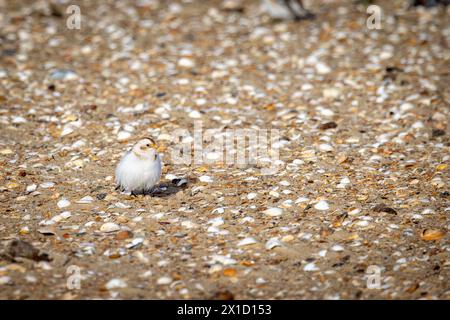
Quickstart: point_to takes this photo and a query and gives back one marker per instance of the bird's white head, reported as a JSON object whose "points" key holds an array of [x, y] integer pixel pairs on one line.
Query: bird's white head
{"points": [[145, 149]]}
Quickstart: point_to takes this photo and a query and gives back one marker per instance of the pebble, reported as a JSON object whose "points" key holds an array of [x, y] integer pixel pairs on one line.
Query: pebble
{"points": [[337, 248], [109, 227], [85, 200], [116, 283], [30, 188], [252, 196], [186, 63], [225, 260], [273, 212], [195, 114], [322, 205], [46, 185], [188, 224], [325, 147], [246, 242], [135, 243], [206, 179], [63, 74], [322, 68], [215, 222], [331, 93], [63, 203], [273, 243], [123, 135], [310, 267], [164, 281], [5, 280]]}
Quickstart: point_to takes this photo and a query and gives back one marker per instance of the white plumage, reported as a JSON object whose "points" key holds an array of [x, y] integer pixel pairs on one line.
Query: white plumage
{"points": [[285, 9], [139, 170]]}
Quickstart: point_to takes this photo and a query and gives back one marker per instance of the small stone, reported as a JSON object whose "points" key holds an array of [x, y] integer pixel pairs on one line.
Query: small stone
{"points": [[362, 223], [432, 234], [135, 243], [272, 243], [252, 196], [109, 227], [164, 281], [405, 107], [46, 185], [273, 212], [63, 203], [383, 208], [322, 205], [18, 120], [246, 242], [123, 135], [6, 152], [195, 114], [206, 179], [287, 238], [116, 283], [5, 280], [101, 196], [437, 133], [63, 74], [186, 63], [124, 234], [66, 131], [331, 93], [188, 224], [325, 147], [322, 68], [85, 200], [31, 188], [328, 125], [337, 248], [310, 267], [215, 222], [47, 231], [232, 5]]}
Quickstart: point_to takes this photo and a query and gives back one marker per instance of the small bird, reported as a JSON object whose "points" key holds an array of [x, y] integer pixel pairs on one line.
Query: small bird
{"points": [[139, 170], [286, 9]]}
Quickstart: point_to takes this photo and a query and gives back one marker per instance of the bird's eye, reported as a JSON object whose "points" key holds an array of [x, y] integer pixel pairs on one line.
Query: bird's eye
{"points": [[148, 145]]}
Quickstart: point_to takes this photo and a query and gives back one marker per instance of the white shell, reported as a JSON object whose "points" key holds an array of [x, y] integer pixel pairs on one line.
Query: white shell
{"points": [[272, 243], [109, 227], [63, 203], [310, 267], [322, 205], [246, 242], [273, 212], [116, 283]]}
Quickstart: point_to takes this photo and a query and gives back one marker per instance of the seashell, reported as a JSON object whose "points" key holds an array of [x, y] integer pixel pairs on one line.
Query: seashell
{"points": [[84, 200], [432, 234], [109, 227], [116, 283], [272, 243], [310, 267], [63, 203], [273, 212], [322, 205], [246, 242]]}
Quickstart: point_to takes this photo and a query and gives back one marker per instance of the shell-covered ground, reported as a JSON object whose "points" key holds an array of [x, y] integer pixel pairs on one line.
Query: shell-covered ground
{"points": [[361, 186]]}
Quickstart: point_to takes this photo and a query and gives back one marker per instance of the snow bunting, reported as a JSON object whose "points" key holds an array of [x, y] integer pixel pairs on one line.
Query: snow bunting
{"points": [[285, 9], [139, 170]]}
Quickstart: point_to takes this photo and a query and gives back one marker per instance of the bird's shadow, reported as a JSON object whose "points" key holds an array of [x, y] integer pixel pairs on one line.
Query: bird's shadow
{"points": [[169, 188], [165, 190]]}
